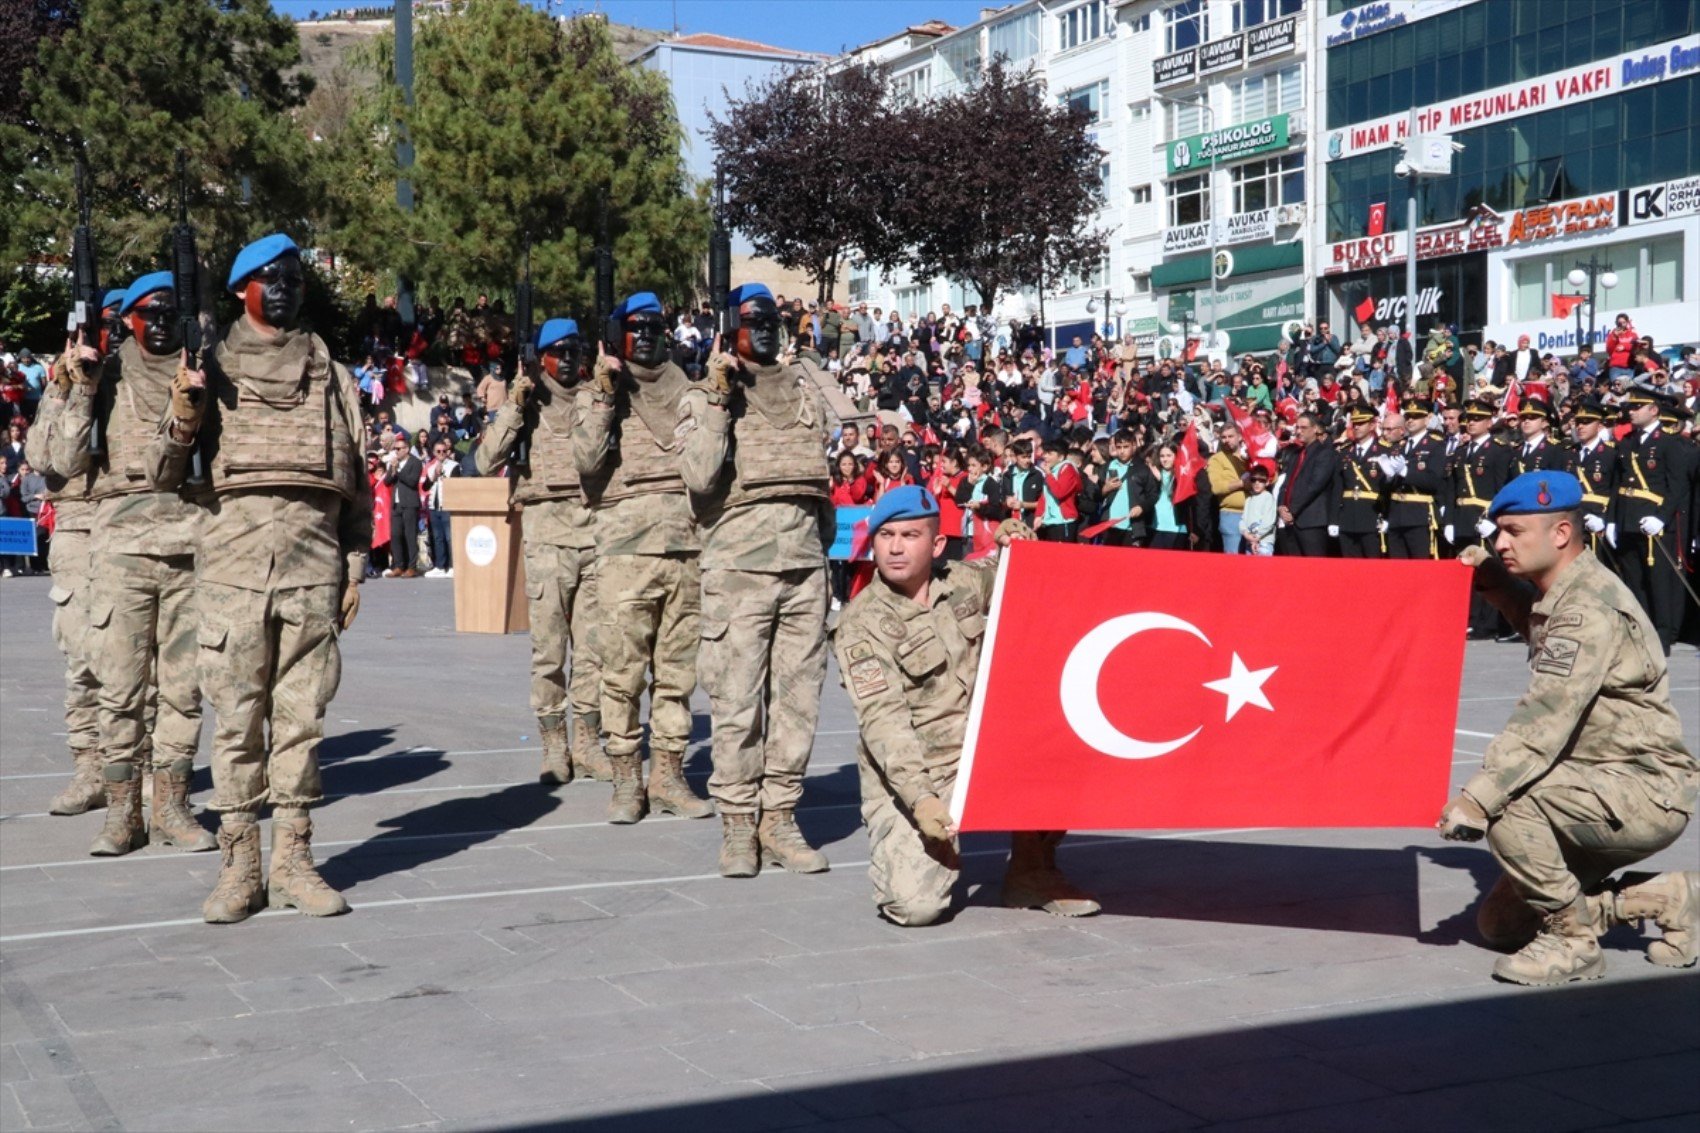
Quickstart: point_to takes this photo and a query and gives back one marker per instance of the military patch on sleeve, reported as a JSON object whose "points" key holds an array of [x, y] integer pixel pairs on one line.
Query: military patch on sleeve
{"points": [[867, 678], [966, 608], [1568, 620], [1558, 656], [893, 628]]}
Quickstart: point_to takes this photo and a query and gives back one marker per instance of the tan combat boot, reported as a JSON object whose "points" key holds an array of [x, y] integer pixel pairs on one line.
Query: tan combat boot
{"points": [[588, 756], [172, 823], [782, 844], [238, 894], [292, 882], [86, 790], [1505, 920], [123, 831], [740, 852], [557, 764], [1033, 880], [628, 804], [1567, 949], [668, 790], [1669, 900]]}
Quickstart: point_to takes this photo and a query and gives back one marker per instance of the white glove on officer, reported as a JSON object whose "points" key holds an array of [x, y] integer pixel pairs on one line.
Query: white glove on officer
{"points": [[1594, 523], [1611, 534], [1381, 526], [1393, 466], [1651, 526], [1447, 531], [1486, 527], [1333, 530]]}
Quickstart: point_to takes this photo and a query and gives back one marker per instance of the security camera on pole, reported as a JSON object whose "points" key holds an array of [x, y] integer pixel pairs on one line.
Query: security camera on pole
{"points": [[1426, 155]]}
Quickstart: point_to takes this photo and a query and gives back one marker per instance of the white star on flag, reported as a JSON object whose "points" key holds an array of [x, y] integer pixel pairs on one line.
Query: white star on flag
{"points": [[1243, 686]]}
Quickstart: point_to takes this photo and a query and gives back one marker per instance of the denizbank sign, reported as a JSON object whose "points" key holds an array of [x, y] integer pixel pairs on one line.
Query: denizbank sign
{"points": [[1228, 144]]}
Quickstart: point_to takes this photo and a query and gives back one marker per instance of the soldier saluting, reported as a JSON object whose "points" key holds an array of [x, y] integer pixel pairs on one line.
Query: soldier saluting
{"points": [[755, 462], [283, 536]]}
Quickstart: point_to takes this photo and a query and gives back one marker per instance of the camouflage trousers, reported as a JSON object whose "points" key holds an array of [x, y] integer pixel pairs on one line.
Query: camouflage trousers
{"points": [[763, 663], [1574, 828], [650, 607], [911, 886], [270, 665], [142, 610], [68, 559], [560, 593]]}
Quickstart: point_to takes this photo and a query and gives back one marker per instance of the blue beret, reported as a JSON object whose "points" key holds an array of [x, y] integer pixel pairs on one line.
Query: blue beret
{"points": [[738, 296], [642, 301], [113, 298], [553, 331], [143, 287], [1537, 493], [257, 255], [908, 502]]}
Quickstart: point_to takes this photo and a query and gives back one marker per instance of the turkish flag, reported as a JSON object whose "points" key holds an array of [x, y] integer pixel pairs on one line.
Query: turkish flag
{"points": [[1259, 441], [1188, 464], [1364, 312], [1392, 401], [1377, 218], [1169, 694], [1562, 305]]}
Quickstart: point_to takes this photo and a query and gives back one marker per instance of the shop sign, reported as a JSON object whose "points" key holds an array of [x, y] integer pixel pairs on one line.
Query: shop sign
{"points": [[1269, 40], [1177, 68], [1565, 218], [1221, 54], [1485, 229], [1228, 144], [1240, 229], [1667, 201]]}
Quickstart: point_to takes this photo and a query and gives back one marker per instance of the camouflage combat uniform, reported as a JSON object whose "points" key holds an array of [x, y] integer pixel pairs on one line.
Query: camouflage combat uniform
{"points": [[910, 673], [1590, 773], [142, 559], [627, 449], [560, 574], [287, 523], [50, 453], [756, 464]]}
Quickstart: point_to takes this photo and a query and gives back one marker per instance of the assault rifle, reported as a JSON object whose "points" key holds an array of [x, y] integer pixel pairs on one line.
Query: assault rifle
{"points": [[186, 282], [525, 357], [85, 285], [604, 279]]}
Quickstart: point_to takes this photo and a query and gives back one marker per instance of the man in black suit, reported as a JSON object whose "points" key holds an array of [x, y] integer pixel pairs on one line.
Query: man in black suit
{"points": [[401, 474], [1308, 492]]}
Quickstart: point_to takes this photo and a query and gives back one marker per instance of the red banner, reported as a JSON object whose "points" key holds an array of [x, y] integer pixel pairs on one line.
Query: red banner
{"points": [[1170, 692], [1377, 219], [1562, 305]]}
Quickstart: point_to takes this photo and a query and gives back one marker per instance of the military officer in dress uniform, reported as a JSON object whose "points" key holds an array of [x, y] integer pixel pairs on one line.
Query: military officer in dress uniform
{"points": [[908, 649], [1480, 467], [755, 462], [1652, 486], [1538, 451], [1364, 468], [1594, 462], [1590, 774], [1418, 490]]}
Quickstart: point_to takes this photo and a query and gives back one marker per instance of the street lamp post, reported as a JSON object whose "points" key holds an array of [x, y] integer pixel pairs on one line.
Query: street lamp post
{"points": [[1596, 275], [1203, 103]]}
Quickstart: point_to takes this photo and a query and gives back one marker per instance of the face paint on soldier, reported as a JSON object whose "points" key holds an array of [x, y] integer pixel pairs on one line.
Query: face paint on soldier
{"points": [[645, 339], [563, 360], [758, 331], [1537, 547], [272, 295], [153, 321], [904, 552]]}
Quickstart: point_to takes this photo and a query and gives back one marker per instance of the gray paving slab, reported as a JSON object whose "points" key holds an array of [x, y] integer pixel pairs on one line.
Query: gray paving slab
{"points": [[513, 962]]}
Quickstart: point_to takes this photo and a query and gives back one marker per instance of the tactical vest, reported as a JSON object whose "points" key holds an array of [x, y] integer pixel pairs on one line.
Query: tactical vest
{"points": [[300, 438], [648, 460], [778, 458], [133, 405], [551, 474]]}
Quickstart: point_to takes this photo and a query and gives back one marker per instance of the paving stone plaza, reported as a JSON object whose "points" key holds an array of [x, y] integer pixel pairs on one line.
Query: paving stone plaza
{"points": [[513, 962]]}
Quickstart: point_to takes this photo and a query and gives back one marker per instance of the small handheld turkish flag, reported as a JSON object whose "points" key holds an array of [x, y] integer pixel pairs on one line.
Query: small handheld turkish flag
{"points": [[1377, 219], [1165, 696], [1188, 464]]}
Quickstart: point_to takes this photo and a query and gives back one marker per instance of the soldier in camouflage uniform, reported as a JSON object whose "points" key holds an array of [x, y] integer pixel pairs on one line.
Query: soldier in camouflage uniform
{"points": [[68, 561], [908, 650], [282, 550], [141, 556], [755, 462], [626, 445], [560, 552], [1590, 774]]}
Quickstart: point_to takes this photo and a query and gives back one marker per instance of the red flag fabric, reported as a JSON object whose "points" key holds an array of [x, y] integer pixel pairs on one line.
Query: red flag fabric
{"points": [[1377, 219], [1509, 405], [1259, 441], [1188, 464], [1562, 305], [1164, 696], [1392, 401]]}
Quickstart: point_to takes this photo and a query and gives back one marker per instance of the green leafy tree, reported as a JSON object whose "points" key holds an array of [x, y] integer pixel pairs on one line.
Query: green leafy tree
{"points": [[519, 124]]}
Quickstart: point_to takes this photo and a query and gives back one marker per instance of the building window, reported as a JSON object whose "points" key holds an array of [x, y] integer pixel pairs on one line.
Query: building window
{"points": [[1648, 273], [1094, 100], [1141, 282], [911, 87], [1189, 200], [1104, 176], [1081, 25], [1091, 280], [1140, 112], [961, 61], [1141, 194], [1264, 184], [1250, 13], [1016, 40], [1183, 26], [1140, 23], [1261, 96], [1184, 119]]}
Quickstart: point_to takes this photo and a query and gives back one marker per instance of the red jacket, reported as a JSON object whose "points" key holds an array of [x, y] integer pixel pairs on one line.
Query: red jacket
{"points": [[1063, 487], [1619, 343], [851, 493], [950, 512]]}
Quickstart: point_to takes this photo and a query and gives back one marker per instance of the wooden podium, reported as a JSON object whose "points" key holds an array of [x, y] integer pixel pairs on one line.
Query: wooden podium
{"points": [[489, 565]]}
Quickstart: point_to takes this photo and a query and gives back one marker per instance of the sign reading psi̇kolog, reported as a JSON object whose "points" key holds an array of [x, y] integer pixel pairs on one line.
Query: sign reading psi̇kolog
{"points": [[1228, 143]]}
